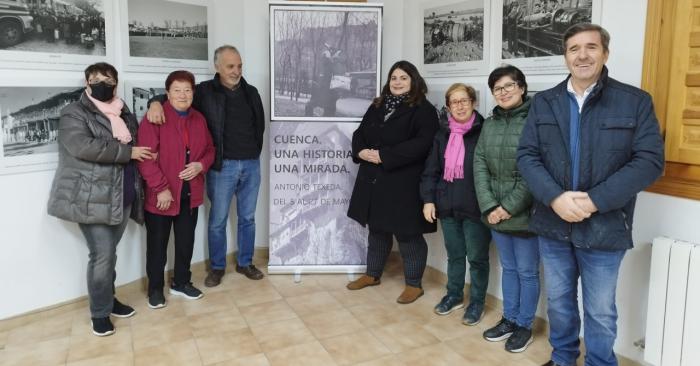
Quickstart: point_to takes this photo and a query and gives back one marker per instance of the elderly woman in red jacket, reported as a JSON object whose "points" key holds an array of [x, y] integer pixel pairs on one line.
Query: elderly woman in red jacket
{"points": [[174, 186]]}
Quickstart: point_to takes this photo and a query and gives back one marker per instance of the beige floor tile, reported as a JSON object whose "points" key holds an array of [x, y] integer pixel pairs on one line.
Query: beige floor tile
{"points": [[117, 359], [331, 282], [403, 336], [3, 339], [390, 360], [432, 355], [168, 331], [478, 351], [145, 315], [281, 334], [308, 354], [267, 312], [349, 298], [183, 353], [211, 303], [254, 360], [375, 314], [87, 345], [44, 329], [450, 326], [49, 352], [217, 322], [348, 349], [286, 286], [312, 303], [332, 323], [264, 292], [227, 346]]}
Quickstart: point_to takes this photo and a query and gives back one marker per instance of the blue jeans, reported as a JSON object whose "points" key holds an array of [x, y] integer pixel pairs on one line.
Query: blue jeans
{"points": [[102, 243], [240, 178], [520, 260], [598, 269]]}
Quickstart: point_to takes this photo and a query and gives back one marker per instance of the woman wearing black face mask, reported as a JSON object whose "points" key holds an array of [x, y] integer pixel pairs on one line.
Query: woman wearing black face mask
{"points": [[97, 184]]}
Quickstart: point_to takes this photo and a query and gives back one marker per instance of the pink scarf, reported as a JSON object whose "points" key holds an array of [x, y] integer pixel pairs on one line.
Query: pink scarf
{"points": [[113, 111], [454, 152]]}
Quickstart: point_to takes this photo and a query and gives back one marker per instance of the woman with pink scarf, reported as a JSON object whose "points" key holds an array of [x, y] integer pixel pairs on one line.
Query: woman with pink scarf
{"points": [[97, 185], [447, 188]]}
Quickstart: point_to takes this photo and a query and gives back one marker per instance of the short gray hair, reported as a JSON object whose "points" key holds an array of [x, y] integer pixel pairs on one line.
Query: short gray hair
{"points": [[226, 47], [586, 27]]}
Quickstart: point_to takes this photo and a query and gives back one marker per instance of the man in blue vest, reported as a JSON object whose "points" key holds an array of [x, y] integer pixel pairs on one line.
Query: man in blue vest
{"points": [[589, 146]]}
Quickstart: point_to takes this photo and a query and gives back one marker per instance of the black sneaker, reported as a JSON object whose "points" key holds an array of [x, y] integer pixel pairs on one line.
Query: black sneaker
{"points": [[250, 271], [448, 304], [501, 331], [186, 290], [122, 311], [156, 300], [472, 316], [102, 327], [519, 340]]}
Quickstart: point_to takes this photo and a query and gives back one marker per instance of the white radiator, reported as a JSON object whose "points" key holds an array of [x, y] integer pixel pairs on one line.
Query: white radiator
{"points": [[673, 314]]}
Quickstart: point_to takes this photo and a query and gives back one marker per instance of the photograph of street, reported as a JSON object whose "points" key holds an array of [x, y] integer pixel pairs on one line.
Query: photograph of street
{"points": [[30, 117], [325, 62], [53, 26], [167, 29]]}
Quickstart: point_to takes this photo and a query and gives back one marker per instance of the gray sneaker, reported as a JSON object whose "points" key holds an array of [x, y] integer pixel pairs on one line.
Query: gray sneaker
{"points": [[473, 314]]}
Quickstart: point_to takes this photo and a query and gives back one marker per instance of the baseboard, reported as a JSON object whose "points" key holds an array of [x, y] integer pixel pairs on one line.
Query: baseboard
{"points": [[140, 284], [261, 254]]}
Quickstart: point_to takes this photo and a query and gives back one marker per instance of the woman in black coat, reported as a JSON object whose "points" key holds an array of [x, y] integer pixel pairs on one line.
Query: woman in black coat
{"points": [[391, 146]]}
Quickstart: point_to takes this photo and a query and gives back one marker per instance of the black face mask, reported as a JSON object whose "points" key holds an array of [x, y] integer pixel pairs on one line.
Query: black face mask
{"points": [[102, 91]]}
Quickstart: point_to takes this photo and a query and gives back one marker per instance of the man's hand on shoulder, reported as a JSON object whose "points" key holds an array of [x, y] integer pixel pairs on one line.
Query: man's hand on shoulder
{"points": [[155, 113]]}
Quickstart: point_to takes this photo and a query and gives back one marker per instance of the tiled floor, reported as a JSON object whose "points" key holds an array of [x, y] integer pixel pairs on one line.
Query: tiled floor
{"points": [[271, 322]]}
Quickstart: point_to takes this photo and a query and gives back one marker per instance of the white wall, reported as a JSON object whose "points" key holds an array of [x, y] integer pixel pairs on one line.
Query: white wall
{"points": [[655, 215], [44, 259]]}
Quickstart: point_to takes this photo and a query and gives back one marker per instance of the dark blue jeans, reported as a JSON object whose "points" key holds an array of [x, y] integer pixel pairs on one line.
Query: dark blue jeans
{"points": [[242, 179], [598, 270], [520, 260], [102, 243]]}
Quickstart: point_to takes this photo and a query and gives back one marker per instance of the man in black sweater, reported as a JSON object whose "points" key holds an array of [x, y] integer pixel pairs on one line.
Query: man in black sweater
{"points": [[236, 121]]}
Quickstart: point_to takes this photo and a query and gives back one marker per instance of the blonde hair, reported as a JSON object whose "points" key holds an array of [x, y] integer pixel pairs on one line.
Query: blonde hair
{"points": [[463, 87]]}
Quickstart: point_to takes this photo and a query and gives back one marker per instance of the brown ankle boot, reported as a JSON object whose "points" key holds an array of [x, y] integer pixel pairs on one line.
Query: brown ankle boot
{"points": [[363, 282], [409, 295]]}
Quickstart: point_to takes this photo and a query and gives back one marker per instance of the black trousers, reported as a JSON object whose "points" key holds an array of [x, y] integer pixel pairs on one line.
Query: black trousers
{"points": [[414, 253], [157, 237]]}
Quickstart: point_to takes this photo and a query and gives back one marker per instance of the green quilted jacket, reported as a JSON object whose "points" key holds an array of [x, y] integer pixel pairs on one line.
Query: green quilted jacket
{"points": [[496, 176]]}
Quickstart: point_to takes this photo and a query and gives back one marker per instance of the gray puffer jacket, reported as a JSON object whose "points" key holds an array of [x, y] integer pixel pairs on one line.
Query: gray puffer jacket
{"points": [[89, 183]]}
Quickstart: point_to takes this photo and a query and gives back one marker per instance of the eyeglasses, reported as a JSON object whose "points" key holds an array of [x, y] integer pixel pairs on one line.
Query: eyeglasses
{"points": [[463, 102], [507, 88]]}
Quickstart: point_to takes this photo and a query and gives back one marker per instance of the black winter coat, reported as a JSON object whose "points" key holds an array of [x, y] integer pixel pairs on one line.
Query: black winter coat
{"points": [[386, 196], [455, 199]]}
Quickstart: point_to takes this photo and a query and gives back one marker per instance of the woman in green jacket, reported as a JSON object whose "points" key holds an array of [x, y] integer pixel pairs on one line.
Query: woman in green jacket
{"points": [[504, 201]]}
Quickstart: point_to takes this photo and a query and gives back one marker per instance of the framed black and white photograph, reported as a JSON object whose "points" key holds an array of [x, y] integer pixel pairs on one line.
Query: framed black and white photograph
{"points": [[55, 34], [137, 94], [532, 31], [456, 37], [436, 96], [325, 60], [162, 35], [29, 116]]}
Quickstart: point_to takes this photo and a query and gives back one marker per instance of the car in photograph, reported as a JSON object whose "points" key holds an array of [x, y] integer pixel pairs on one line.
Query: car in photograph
{"points": [[15, 22]]}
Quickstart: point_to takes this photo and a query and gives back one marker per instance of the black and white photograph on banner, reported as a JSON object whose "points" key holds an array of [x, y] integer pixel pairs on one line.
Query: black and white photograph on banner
{"points": [[455, 37], [325, 61], [30, 118], [168, 29], [54, 34], [137, 94], [532, 31], [436, 96], [311, 180]]}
